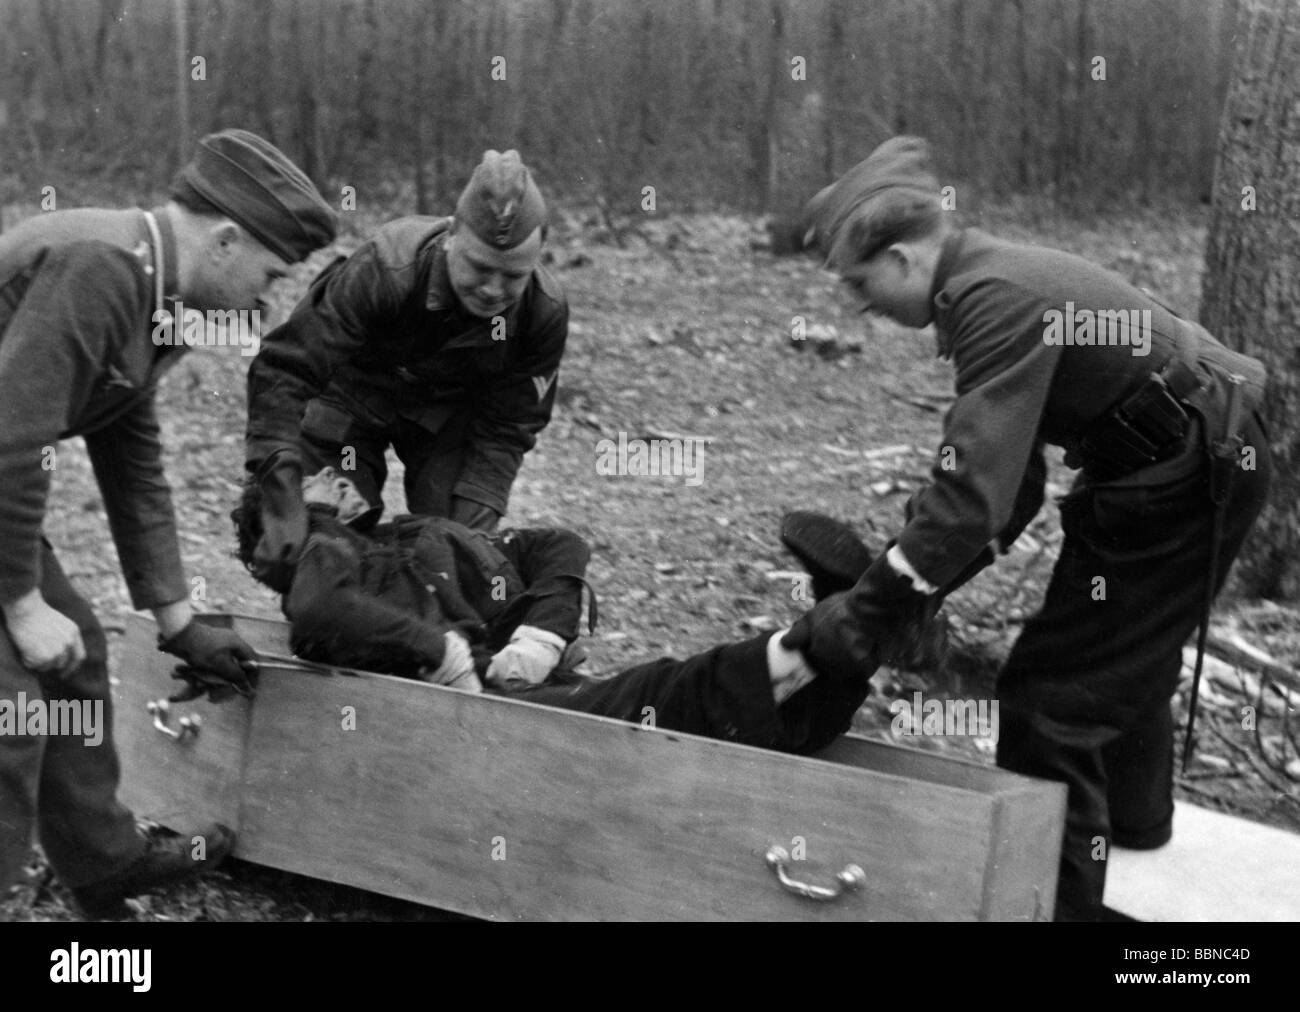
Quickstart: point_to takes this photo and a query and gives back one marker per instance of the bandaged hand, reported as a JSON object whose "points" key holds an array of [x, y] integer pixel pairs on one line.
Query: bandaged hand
{"points": [[529, 657], [457, 667]]}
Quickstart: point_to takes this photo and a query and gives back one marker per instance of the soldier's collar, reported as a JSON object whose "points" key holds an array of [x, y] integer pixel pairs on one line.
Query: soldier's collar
{"points": [[949, 253], [171, 277], [441, 298]]}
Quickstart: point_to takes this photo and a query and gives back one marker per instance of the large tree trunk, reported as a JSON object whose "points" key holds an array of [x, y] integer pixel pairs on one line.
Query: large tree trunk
{"points": [[1251, 294]]}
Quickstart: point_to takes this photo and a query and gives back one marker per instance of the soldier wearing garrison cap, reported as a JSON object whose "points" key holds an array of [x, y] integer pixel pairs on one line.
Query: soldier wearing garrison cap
{"points": [[83, 292], [439, 337], [1150, 408]]}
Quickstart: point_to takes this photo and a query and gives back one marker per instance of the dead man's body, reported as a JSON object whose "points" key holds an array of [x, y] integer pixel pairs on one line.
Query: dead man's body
{"points": [[415, 597]]}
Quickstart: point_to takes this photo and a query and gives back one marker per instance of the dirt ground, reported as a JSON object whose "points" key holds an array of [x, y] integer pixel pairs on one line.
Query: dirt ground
{"points": [[685, 330]]}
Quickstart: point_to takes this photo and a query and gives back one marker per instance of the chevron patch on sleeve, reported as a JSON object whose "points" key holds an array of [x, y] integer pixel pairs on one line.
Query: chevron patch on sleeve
{"points": [[543, 384]]}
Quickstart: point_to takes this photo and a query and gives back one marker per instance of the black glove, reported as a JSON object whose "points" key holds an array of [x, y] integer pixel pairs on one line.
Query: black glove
{"points": [[199, 683], [920, 637], [284, 523], [976, 565], [846, 636], [474, 515], [216, 653]]}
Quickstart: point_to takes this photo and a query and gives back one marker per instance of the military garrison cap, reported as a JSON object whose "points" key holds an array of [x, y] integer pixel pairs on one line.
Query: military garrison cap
{"points": [[254, 183], [501, 205], [891, 191]]}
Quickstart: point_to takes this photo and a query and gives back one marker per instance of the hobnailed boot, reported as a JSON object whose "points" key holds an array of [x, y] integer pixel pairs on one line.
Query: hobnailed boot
{"points": [[166, 861], [833, 555]]}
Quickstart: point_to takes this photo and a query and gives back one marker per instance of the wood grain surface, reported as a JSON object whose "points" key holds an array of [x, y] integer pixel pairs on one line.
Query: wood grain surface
{"points": [[510, 810]]}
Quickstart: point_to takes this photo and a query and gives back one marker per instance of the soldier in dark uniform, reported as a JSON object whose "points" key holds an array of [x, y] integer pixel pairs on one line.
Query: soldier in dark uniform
{"points": [[1043, 356], [83, 294], [440, 337]]}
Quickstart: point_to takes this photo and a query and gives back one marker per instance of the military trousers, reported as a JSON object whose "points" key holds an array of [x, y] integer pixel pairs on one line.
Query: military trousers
{"points": [[1085, 694], [62, 785], [334, 436], [724, 692]]}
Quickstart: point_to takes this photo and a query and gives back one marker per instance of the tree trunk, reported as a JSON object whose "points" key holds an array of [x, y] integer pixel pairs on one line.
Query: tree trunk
{"points": [[182, 83], [1026, 104], [1251, 293], [833, 60], [417, 111], [764, 130], [264, 83], [309, 138]]}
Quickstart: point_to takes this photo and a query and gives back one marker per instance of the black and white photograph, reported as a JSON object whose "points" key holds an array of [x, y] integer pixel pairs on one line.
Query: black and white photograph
{"points": [[626, 461]]}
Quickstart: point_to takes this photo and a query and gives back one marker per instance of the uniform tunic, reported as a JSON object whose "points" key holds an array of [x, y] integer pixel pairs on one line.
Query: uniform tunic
{"points": [[1017, 392], [382, 601], [380, 352], [77, 359], [1085, 692], [77, 297]]}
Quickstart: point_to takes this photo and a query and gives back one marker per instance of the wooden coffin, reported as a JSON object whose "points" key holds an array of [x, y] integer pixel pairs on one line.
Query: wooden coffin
{"points": [[509, 810]]}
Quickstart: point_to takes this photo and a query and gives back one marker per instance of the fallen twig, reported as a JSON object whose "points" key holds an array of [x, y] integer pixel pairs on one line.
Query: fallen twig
{"points": [[926, 402], [1232, 648], [1263, 772]]}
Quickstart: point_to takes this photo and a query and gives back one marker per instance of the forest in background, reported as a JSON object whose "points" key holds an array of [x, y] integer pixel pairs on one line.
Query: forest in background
{"points": [[741, 104]]}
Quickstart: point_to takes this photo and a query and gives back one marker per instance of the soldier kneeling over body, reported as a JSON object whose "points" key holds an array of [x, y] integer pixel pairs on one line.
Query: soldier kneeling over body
{"points": [[428, 598]]}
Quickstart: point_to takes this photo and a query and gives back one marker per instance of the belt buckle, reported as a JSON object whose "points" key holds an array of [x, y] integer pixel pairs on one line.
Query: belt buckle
{"points": [[1168, 376]]}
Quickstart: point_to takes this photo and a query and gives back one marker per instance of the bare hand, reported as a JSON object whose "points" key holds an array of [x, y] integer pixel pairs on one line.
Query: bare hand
{"points": [[46, 640]]}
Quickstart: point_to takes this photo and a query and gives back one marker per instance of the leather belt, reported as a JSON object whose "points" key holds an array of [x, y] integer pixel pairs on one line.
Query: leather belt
{"points": [[1145, 427]]}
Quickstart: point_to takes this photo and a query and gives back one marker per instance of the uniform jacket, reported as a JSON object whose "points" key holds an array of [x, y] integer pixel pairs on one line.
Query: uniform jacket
{"points": [[1017, 392], [382, 333], [77, 297], [383, 600]]}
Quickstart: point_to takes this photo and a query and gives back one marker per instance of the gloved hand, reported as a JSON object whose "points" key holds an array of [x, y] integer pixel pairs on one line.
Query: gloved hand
{"points": [[211, 655], [474, 515], [529, 657], [284, 523], [845, 636], [457, 667], [199, 683], [976, 565]]}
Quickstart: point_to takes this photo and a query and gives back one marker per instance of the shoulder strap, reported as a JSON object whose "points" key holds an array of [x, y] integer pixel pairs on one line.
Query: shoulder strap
{"points": [[161, 316]]}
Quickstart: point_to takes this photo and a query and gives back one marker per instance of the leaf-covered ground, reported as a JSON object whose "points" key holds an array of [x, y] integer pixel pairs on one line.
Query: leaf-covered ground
{"points": [[685, 330]]}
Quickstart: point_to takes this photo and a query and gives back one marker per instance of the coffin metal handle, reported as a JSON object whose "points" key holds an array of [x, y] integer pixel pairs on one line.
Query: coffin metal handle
{"points": [[188, 726], [852, 877]]}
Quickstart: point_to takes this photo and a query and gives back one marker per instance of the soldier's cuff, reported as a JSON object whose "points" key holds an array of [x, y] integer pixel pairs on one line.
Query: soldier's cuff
{"points": [[899, 564], [149, 593]]}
